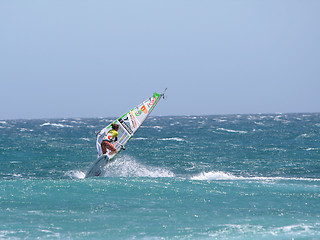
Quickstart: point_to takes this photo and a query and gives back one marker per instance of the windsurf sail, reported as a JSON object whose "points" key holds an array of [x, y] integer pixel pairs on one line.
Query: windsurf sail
{"points": [[129, 123]]}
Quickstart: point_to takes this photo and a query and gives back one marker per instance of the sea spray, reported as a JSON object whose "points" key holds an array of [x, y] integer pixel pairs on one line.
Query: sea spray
{"points": [[127, 166]]}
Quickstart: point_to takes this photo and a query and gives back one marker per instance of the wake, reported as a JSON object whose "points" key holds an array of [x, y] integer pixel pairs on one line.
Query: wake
{"points": [[127, 167]]}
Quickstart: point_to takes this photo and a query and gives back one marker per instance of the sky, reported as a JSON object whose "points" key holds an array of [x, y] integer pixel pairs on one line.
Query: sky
{"points": [[101, 58]]}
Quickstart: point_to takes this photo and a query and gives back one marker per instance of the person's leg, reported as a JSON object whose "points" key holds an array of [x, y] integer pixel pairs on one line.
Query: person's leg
{"points": [[106, 145]]}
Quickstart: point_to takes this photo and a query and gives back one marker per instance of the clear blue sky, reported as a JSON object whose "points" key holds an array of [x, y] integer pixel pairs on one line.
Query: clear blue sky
{"points": [[100, 58]]}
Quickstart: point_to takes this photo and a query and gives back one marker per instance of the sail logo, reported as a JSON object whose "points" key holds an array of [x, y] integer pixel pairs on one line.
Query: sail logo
{"points": [[138, 113], [152, 101], [144, 109]]}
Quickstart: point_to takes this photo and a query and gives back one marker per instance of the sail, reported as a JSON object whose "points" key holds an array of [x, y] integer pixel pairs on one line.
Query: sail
{"points": [[129, 123]]}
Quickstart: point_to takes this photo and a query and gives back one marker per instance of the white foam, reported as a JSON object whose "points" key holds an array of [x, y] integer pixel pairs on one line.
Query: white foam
{"points": [[259, 123], [220, 120], [220, 175], [155, 127], [274, 149], [310, 149], [231, 131], [285, 232], [128, 167], [86, 139], [296, 229], [235, 229], [76, 174], [55, 125], [304, 135], [173, 139], [24, 130], [17, 175]]}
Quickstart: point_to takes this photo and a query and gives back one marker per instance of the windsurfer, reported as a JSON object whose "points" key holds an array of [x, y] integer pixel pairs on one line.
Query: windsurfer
{"points": [[109, 138]]}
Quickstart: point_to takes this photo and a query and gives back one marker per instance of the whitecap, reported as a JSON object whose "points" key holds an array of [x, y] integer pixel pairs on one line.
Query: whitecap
{"points": [[220, 175], [215, 175], [231, 131], [274, 149], [311, 149], [220, 120], [173, 139], [304, 135], [17, 175], [140, 138], [24, 130], [155, 127], [294, 229], [259, 123], [54, 125], [106, 120], [86, 139]]}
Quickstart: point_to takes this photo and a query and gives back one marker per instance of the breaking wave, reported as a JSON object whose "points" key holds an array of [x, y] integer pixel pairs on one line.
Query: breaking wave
{"points": [[55, 125], [231, 131], [219, 175]]}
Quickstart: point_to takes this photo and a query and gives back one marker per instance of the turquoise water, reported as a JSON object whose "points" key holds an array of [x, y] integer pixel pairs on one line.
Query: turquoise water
{"points": [[192, 177]]}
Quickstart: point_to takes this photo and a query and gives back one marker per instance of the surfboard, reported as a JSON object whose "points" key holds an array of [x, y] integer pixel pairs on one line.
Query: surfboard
{"points": [[97, 166], [128, 123]]}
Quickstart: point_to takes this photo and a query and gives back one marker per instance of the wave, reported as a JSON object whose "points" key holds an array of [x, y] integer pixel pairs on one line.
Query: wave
{"points": [[305, 135], [86, 139], [55, 125], [231, 131], [173, 139], [24, 130], [140, 138], [287, 231], [311, 149], [215, 175], [219, 175], [155, 127]]}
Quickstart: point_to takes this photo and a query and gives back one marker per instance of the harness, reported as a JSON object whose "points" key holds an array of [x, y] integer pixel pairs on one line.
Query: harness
{"points": [[111, 136]]}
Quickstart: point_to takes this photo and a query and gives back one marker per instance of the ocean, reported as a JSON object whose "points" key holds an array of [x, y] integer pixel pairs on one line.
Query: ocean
{"points": [[180, 177]]}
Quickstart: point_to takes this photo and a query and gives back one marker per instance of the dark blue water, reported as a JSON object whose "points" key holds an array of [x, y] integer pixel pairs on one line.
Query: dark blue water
{"points": [[193, 177]]}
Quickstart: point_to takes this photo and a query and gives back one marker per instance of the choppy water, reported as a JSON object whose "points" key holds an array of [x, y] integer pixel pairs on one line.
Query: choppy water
{"points": [[193, 177]]}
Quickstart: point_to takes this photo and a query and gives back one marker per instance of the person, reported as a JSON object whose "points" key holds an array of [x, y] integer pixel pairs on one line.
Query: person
{"points": [[109, 138]]}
